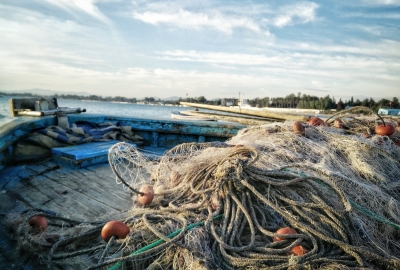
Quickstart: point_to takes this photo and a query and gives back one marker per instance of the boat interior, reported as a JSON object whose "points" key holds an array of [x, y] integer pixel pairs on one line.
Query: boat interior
{"points": [[74, 179]]}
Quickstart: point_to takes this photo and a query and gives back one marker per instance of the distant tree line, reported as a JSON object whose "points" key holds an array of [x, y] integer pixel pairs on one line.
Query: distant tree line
{"points": [[201, 100], [301, 101], [321, 103], [149, 100]]}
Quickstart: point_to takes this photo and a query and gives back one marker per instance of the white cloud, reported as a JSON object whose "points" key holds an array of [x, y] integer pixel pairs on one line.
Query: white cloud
{"points": [[87, 6], [299, 13], [191, 20], [224, 19], [381, 2]]}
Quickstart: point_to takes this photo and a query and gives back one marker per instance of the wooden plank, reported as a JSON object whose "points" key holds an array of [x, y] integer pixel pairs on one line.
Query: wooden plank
{"points": [[42, 192], [12, 175], [86, 150], [77, 164], [83, 155], [98, 187], [77, 203]]}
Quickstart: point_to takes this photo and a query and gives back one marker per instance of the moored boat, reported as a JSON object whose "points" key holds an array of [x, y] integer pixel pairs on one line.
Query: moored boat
{"points": [[183, 116]]}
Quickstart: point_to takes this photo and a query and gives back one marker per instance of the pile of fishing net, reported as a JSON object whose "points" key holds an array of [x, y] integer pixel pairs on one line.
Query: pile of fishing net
{"points": [[322, 198]]}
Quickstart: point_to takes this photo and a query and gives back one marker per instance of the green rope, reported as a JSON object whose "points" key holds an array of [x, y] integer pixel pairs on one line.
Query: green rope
{"points": [[359, 207], [160, 241]]}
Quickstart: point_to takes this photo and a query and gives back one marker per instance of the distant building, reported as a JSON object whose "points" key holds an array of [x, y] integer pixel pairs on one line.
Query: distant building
{"points": [[244, 103], [389, 111], [235, 102], [228, 101]]}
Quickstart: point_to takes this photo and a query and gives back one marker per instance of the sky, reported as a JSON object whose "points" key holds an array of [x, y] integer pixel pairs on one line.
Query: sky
{"points": [[210, 48]]}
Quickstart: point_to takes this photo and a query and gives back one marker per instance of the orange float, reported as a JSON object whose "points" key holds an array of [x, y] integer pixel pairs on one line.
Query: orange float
{"points": [[286, 230], [148, 195], [315, 121], [298, 250], [338, 123], [38, 223], [385, 130], [298, 128], [114, 228]]}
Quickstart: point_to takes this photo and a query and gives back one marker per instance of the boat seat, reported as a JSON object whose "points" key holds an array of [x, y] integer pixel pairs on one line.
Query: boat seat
{"points": [[83, 155]]}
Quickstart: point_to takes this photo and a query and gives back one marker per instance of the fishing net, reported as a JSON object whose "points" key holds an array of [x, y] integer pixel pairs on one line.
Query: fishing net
{"points": [[220, 205]]}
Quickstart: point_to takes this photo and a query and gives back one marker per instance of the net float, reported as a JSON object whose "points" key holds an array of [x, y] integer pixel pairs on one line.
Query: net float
{"points": [[298, 128], [114, 228], [338, 123], [385, 130], [147, 195], [315, 121], [298, 250], [38, 223], [286, 230]]}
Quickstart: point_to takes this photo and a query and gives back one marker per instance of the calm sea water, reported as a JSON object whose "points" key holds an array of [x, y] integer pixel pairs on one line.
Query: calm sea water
{"points": [[109, 108]]}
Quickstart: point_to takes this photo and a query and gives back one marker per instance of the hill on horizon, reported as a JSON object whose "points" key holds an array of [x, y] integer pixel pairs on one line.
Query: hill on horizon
{"points": [[48, 92], [44, 92]]}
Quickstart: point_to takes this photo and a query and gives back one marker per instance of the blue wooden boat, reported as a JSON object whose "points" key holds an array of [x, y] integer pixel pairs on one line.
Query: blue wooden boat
{"points": [[73, 178]]}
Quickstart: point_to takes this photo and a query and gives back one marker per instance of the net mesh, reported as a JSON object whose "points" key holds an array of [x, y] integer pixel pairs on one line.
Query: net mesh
{"points": [[219, 205]]}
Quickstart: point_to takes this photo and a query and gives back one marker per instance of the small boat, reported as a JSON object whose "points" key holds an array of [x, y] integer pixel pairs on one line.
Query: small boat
{"points": [[55, 160], [183, 116]]}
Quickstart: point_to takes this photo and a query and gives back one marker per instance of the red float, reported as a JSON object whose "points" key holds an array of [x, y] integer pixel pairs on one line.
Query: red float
{"points": [[114, 228], [385, 130], [148, 195], [315, 121], [286, 230], [298, 250], [298, 128], [38, 223]]}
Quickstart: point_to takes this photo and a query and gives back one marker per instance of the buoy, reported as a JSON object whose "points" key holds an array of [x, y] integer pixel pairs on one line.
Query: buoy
{"points": [[385, 130], [114, 228], [315, 121], [298, 128], [338, 123], [286, 230], [38, 223], [298, 250], [148, 195]]}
